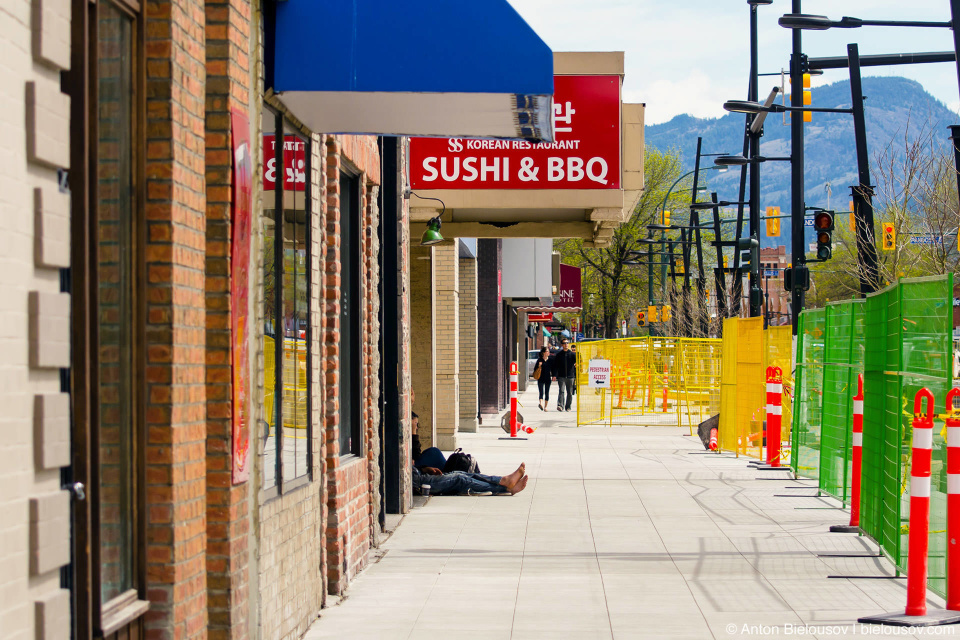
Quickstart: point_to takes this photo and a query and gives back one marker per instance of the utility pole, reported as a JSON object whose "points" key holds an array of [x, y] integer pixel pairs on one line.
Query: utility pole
{"points": [[797, 200], [863, 192], [754, 227]]}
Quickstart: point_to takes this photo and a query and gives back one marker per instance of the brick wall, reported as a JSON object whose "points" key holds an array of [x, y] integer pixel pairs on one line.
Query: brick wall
{"points": [[491, 382], [34, 244], [227, 509], [289, 580], [446, 343], [468, 345], [404, 309], [351, 510], [176, 323]]}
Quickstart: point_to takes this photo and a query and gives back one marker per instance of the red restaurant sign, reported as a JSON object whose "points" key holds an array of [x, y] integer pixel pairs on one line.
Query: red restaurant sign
{"points": [[294, 163], [540, 317], [585, 155]]}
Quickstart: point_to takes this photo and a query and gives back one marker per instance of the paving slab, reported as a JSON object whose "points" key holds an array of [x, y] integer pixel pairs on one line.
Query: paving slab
{"points": [[622, 533]]}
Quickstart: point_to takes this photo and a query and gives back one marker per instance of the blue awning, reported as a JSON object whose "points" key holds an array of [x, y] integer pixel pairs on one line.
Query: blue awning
{"points": [[452, 68]]}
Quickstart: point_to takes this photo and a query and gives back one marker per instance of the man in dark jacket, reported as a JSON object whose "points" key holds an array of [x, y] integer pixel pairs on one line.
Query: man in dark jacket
{"points": [[565, 371]]}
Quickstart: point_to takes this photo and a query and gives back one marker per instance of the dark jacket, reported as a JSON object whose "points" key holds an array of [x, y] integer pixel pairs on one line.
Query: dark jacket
{"points": [[546, 368], [565, 364]]}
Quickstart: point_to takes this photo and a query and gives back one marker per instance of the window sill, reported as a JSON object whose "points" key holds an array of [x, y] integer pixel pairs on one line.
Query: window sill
{"points": [[121, 611]]}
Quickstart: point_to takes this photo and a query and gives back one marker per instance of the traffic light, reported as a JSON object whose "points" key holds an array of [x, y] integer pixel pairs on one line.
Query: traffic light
{"points": [[665, 313], [823, 227], [679, 267], [641, 318], [751, 256], [853, 219], [652, 315], [725, 262], [796, 277], [666, 218], [773, 223], [889, 237]]}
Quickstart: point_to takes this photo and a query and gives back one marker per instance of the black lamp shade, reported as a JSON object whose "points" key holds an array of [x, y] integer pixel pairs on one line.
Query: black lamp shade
{"points": [[805, 21]]}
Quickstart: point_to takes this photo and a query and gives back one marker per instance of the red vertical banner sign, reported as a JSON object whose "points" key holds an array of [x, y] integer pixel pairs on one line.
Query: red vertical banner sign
{"points": [[239, 292]]}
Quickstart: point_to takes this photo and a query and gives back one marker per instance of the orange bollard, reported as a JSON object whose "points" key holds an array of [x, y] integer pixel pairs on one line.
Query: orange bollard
{"points": [[919, 505], [666, 381], [916, 614], [774, 414], [713, 439], [953, 500], [513, 399]]}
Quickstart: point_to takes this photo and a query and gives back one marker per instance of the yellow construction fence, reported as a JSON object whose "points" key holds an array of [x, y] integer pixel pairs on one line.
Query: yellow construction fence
{"points": [[653, 381], [748, 349], [294, 383]]}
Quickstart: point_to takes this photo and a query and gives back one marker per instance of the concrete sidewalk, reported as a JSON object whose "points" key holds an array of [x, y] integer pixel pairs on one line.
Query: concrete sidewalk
{"points": [[626, 532]]}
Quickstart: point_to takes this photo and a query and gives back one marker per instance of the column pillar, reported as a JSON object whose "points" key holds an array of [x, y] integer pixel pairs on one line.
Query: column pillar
{"points": [[468, 346], [446, 344], [421, 340]]}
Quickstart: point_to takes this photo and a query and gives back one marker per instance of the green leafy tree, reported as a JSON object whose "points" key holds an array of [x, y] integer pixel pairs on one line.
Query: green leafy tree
{"points": [[612, 290], [917, 194]]}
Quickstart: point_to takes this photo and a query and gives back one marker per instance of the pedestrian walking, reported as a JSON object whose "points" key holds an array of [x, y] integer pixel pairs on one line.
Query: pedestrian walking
{"points": [[542, 373], [565, 373]]}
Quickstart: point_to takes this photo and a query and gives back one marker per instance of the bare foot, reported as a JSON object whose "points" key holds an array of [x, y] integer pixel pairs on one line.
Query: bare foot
{"points": [[509, 480], [520, 486]]}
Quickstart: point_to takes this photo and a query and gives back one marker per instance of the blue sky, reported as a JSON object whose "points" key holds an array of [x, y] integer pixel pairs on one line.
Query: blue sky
{"points": [[690, 56]]}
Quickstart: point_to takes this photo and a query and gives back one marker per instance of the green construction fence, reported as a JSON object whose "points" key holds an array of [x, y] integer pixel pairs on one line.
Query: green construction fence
{"points": [[900, 338]]}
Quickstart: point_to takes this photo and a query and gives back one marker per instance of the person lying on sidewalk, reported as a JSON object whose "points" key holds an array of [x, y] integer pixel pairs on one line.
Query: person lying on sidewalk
{"points": [[459, 482]]}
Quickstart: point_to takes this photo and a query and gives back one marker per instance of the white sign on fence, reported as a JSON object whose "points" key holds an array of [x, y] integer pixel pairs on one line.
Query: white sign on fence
{"points": [[598, 374]]}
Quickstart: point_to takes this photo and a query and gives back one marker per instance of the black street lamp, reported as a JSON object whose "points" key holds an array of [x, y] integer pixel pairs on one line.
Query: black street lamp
{"points": [[739, 161], [812, 22]]}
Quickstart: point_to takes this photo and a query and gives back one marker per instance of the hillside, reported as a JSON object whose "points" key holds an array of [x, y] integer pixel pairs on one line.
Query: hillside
{"points": [[894, 107]]}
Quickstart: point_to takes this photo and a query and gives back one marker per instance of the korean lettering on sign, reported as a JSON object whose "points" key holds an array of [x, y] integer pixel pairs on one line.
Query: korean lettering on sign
{"points": [[584, 155], [294, 163]]}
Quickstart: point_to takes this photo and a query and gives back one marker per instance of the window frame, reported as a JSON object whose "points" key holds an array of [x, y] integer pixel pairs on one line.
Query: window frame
{"points": [[351, 355], [281, 485], [125, 608]]}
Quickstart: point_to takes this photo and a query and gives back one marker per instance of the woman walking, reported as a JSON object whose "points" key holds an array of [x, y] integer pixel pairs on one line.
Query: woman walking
{"points": [[542, 372]]}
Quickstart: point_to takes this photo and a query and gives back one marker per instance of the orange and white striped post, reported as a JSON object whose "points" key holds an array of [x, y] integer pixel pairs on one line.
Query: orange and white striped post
{"points": [[857, 453], [857, 459], [916, 614], [666, 383], [514, 380], [919, 505], [953, 501], [774, 414]]}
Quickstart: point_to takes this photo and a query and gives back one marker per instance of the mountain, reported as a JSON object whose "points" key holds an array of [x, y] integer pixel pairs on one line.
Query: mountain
{"points": [[894, 108]]}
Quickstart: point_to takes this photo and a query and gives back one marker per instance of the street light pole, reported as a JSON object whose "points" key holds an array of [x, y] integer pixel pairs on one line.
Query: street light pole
{"points": [[754, 227], [863, 192], [955, 129], [797, 241]]}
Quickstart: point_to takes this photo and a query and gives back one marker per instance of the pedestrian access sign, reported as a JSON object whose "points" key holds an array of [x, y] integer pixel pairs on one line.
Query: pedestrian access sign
{"points": [[598, 374]]}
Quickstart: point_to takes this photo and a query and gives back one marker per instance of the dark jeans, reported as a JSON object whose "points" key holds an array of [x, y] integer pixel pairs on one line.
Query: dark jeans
{"points": [[566, 385], [544, 387], [432, 457], [457, 482]]}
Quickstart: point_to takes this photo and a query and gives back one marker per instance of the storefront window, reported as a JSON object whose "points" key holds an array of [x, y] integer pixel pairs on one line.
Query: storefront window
{"points": [[116, 299], [287, 331]]}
